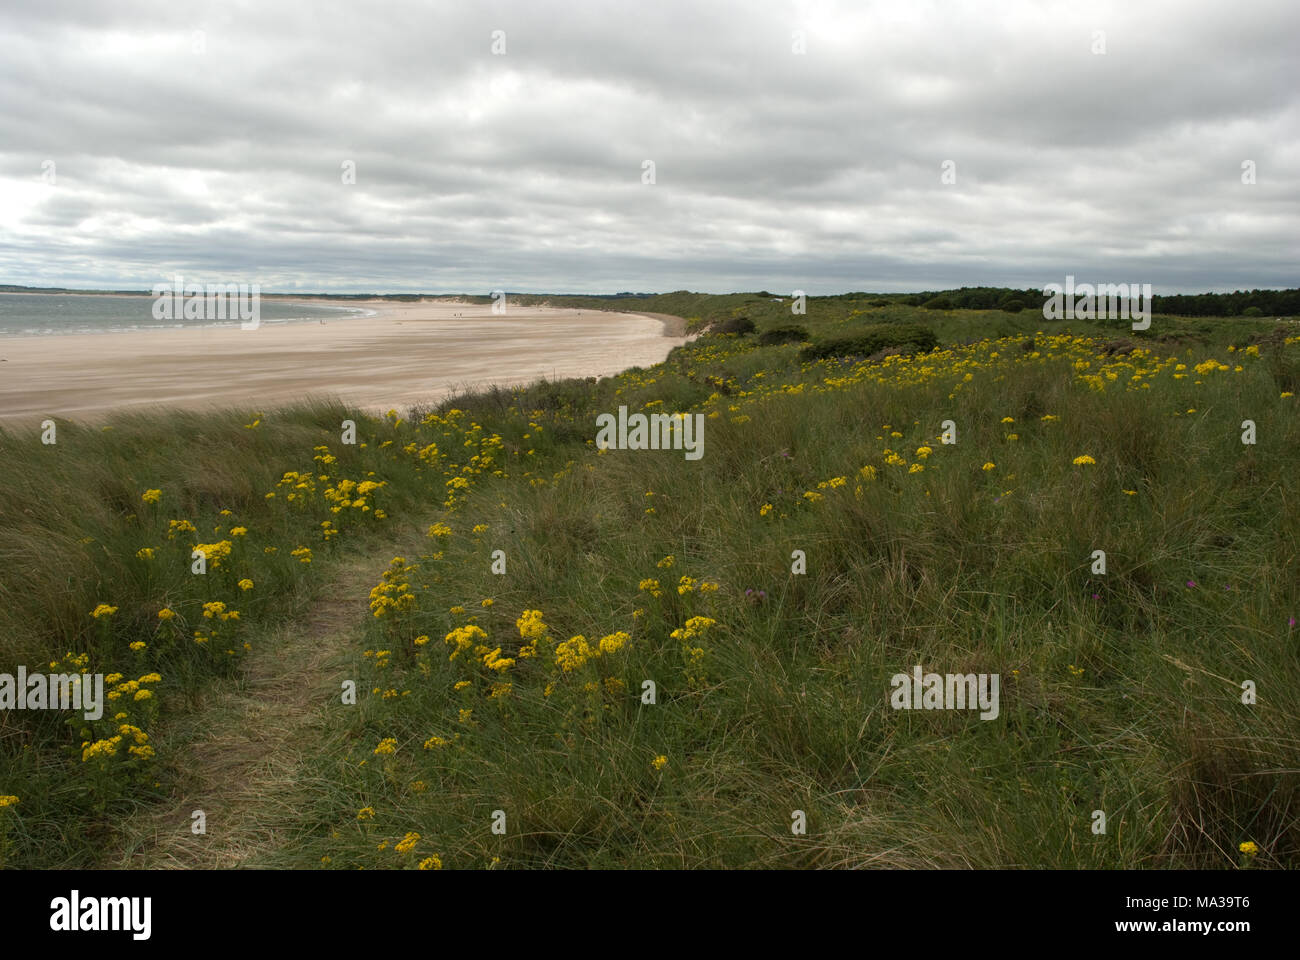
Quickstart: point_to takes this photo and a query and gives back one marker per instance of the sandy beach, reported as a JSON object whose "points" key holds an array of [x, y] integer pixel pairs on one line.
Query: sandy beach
{"points": [[406, 354]]}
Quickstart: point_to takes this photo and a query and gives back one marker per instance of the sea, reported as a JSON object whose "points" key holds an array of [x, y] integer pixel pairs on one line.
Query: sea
{"points": [[42, 314]]}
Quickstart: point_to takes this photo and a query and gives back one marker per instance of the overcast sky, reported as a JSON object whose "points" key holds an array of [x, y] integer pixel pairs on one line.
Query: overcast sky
{"points": [[210, 139]]}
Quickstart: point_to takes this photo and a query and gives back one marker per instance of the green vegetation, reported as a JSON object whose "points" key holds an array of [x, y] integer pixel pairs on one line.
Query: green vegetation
{"points": [[869, 340], [785, 333], [523, 692]]}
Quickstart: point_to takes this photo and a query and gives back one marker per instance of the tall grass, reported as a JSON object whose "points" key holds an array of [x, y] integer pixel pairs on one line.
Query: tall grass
{"points": [[1121, 692]]}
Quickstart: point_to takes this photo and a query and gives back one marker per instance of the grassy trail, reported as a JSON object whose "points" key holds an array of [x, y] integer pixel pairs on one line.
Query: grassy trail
{"points": [[1104, 539], [242, 759]]}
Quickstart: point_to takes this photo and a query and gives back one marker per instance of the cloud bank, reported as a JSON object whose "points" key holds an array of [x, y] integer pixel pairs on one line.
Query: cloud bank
{"points": [[795, 145]]}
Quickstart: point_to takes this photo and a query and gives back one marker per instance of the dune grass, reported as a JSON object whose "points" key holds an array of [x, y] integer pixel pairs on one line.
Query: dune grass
{"points": [[1120, 692]]}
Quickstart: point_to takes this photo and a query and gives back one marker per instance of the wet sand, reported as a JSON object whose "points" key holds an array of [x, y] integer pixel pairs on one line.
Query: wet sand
{"points": [[407, 354]]}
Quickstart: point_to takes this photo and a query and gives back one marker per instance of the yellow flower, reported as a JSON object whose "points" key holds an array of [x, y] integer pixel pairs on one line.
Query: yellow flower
{"points": [[530, 624], [1249, 848], [988, 466], [494, 661], [1084, 460], [100, 748], [431, 863], [614, 642], [366, 813], [103, 610], [462, 638], [386, 747], [659, 762], [1008, 419], [245, 584], [166, 614], [137, 645], [572, 653], [8, 801], [764, 510], [408, 843], [486, 602], [179, 526], [151, 496], [145, 553], [238, 531]]}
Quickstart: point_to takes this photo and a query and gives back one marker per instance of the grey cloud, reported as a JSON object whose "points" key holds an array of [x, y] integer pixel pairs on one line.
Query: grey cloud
{"points": [[773, 170]]}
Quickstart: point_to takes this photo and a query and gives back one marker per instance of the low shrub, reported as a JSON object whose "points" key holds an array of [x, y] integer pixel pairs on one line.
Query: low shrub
{"points": [[872, 339], [787, 333]]}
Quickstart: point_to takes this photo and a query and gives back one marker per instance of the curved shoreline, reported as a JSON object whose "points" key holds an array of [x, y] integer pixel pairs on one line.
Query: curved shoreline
{"points": [[405, 355], [674, 326]]}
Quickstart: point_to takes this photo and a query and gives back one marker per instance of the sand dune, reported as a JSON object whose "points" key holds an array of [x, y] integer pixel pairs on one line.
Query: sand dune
{"points": [[406, 354]]}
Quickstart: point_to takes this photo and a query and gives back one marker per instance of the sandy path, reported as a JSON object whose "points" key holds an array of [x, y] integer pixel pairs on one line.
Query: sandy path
{"points": [[408, 353], [241, 751]]}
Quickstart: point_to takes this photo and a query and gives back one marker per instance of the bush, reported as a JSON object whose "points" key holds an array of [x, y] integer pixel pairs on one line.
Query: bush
{"points": [[1013, 306], [741, 325], [881, 303], [1252, 312], [789, 333], [938, 303], [872, 339]]}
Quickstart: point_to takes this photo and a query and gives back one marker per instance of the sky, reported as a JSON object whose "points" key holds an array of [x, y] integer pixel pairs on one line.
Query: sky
{"points": [[816, 146]]}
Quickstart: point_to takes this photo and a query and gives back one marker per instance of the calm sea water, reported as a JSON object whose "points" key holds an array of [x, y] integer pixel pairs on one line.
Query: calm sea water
{"points": [[28, 314]]}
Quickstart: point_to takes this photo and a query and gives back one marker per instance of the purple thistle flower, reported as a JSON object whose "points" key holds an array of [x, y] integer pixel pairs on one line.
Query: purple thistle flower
{"points": [[1191, 583]]}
